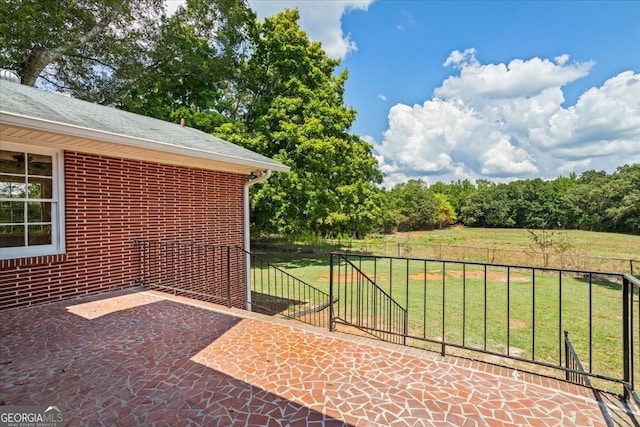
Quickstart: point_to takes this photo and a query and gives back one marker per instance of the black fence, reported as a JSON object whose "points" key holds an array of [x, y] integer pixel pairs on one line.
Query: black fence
{"points": [[219, 274], [515, 313], [361, 303], [518, 314], [212, 273], [575, 372], [571, 258], [276, 292]]}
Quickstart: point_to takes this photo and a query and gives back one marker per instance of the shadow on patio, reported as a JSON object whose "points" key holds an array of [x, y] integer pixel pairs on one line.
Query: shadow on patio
{"points": [[142, 358]]}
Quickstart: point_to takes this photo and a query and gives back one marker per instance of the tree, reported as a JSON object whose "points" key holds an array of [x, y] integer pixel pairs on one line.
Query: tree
{"points": [[490, 206], [416, 205], [586, 202], [294, 112], [91, 48], [549, 240], [455, 191], [445, 214], [196, 65]]}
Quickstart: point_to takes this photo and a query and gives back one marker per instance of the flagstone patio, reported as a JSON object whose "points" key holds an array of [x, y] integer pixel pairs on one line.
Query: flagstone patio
{"points": [[142, 358]]}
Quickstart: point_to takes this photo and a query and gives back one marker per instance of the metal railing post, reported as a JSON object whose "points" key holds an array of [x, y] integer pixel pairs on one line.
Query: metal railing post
{"points": [[331, 327], [405, 332], [566, 355], [228, 276], [626, 342]]}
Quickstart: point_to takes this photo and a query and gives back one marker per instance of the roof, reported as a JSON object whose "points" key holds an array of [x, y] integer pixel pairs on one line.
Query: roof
{"points": [[109, 131]]}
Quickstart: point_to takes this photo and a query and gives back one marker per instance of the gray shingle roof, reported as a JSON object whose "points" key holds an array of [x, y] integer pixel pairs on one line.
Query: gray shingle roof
{"points": [[17, 99]]}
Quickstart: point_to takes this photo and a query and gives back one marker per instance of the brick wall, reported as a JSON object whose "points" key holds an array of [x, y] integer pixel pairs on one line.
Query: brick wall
{"points": [[109, 203]]}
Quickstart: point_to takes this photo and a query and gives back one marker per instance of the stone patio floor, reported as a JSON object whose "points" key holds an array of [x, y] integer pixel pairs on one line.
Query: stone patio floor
{"points": [[142, 358]]}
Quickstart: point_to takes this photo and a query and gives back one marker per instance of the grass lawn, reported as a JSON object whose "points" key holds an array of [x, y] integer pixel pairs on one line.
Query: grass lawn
{"points": [[584, 249], [589, 243], [522, 316]]}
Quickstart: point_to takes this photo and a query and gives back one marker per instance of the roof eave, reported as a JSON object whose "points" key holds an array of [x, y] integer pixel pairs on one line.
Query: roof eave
{"points": [[83, 132]]}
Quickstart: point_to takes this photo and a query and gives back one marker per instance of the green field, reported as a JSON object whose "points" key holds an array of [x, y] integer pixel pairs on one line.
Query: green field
{"points": [[581, 249], [510, 313]]}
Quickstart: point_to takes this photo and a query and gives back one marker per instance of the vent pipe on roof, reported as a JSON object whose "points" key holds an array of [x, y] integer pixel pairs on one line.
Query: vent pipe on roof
{"points": [[182, 121], [9, 75]]}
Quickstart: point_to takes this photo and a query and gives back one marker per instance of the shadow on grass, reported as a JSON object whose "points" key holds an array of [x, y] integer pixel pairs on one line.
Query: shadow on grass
{"points": [[613, 283], [287, 260], [272, 305]]}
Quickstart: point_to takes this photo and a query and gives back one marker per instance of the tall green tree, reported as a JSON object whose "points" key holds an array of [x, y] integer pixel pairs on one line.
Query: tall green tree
{"points": [[602, 202], [624, 206], [455, 191], [93, 49], [416, 204], [196, 63], [295, 113], [445, 213], [490, 206]]}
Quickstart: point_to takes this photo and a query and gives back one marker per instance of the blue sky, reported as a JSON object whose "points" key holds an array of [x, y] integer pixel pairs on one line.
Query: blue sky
{"points": [[485, 89]]}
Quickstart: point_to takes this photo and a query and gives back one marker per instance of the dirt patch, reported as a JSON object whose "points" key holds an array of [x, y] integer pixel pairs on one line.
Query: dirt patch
{"points": [[517, 324], [492, 276], [430, 276]]}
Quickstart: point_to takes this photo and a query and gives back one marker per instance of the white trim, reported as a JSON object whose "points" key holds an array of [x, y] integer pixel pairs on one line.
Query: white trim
{"points": [[83, 132], [58, 244]]}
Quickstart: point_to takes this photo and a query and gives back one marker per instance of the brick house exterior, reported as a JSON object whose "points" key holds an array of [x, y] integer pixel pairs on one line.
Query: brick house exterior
{"points": [[121, 177]]}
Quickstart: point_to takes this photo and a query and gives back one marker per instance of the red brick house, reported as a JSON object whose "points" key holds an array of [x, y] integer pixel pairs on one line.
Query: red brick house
{"points": [[79, 182]]}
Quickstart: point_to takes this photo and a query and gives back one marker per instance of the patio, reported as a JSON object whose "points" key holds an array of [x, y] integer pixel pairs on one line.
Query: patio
{"points": [[148, 358]]}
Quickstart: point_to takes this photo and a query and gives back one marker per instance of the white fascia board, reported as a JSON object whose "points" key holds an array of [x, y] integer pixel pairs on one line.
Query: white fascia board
{"points": [[82, 132]]}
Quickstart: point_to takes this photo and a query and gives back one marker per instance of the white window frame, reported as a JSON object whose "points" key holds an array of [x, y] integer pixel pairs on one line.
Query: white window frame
{"points": [[57, 245]]}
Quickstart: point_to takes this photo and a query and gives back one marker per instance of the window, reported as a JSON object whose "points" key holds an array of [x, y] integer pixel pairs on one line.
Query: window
{"points": [[31, 201]]}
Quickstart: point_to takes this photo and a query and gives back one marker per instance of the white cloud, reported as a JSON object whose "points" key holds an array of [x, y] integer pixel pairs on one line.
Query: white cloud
{"points": [[505, 159], [381, 96], [562, 59], [321, 19], [458, 59], [602, 116], [170, 6], [507, 121], [518, 78]]}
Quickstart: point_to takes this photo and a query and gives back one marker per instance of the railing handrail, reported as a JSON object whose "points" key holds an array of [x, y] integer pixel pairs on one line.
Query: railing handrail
{"points": [[206, 271], [372, 282], [625, 285], [397, 314], [629, 285], [278, 269], [482, 264], [572, 356], [635, 281]]}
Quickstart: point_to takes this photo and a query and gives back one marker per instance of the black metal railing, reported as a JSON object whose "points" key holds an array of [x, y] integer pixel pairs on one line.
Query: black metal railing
{"points": [[274, 291], [514, 312], [213, 273], [362, 304], [631, 326], [218, 274], [575, 372]]}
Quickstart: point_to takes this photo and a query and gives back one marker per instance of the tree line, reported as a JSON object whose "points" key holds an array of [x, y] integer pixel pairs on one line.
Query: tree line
{"points": [[264, 85], [594, 201]]}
